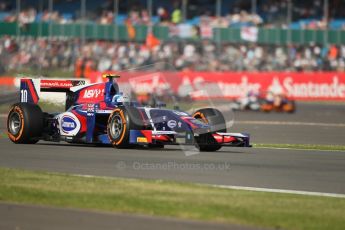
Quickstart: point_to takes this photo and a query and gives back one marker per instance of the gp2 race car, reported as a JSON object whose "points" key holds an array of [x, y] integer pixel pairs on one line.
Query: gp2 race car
{"points": [[265, 102], [100, 114]]}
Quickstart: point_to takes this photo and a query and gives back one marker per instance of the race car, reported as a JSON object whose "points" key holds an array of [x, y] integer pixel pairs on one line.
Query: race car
{"points": [[265, 102], [100, 114], [278, 103], [251, 101]]}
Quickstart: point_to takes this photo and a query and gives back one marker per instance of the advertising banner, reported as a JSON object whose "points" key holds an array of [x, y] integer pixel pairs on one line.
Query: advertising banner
{"points": [[200, 85]]}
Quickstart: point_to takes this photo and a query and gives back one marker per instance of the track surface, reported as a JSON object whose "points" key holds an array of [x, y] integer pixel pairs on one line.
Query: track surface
{"points": [[32, 218], [308, 131], [280, 169]]}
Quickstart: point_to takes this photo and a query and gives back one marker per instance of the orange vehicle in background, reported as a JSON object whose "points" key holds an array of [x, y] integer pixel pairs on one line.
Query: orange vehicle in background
{"points": [[278, 103], [265, 102]]}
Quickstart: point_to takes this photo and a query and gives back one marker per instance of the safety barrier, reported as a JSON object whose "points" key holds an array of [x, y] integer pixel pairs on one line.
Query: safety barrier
{"points": [[120, 32]]}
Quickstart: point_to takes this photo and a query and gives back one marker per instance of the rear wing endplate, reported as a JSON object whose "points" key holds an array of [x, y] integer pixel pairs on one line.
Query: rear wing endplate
{"points": [[30, 89]]}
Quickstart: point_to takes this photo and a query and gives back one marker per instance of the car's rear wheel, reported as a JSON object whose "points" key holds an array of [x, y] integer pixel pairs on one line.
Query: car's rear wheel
{"points": [[214, 118], [120, 122], [25, 123]]}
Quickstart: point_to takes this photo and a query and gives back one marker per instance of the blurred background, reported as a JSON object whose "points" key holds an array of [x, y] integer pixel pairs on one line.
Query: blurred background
{"points": [[82, 39], [197, 35]]}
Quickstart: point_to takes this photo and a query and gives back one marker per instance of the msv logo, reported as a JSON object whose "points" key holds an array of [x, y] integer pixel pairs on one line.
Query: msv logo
{"points": [[68, 124], [93, 93]]}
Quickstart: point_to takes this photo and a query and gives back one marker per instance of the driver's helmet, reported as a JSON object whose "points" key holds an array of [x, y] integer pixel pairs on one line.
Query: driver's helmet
{"points": [[120, 99]]}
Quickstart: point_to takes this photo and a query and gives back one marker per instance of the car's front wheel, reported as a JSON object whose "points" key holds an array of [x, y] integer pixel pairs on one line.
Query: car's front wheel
{"points": [[214, 118]]}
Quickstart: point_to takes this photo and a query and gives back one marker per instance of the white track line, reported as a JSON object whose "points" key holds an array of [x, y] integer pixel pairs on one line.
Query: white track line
{"points": [[294, 123], [300, 149], [256, 189], [285, 191]]}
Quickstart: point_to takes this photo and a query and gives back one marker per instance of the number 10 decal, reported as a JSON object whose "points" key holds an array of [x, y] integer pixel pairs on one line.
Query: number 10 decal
{"points": [[23, 95]]}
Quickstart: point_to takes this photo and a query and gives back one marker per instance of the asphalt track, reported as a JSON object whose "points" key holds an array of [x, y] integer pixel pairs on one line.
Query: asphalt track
{"points": [[267, 168], [316, 171], [27, 217], [312, 123]]}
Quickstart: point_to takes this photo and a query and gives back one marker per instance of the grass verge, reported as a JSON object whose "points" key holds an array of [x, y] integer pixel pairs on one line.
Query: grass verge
{"points": [[303, 147], [181, 200]]}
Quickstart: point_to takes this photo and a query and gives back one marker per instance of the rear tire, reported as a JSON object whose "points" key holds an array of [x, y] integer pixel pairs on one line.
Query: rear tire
{"points": [[25, 123], [120, 122], [214, 118]]}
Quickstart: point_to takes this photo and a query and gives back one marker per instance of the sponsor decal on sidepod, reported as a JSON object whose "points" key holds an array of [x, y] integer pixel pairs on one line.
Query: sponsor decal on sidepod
{"points": [[70, 124], [172, 124]]}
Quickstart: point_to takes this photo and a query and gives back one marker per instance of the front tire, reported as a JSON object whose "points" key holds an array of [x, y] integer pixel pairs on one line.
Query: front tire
{"points": [[289, 107], [25, 123], [214, 118]]}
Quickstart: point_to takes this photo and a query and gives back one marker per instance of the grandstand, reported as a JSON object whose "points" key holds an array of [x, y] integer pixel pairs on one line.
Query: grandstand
{"points": [[285, 13], [193, 35]]}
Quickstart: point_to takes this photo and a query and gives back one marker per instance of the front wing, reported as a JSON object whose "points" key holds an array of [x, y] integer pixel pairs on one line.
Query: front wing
{"points": [[186, 138]]}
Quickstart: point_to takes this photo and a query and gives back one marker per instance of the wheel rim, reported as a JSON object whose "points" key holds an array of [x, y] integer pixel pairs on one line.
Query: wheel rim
{"points": [[116, 126], [15, 123]]}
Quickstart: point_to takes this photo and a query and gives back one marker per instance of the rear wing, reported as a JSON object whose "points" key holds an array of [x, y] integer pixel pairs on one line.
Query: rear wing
{"points": [[30, 89]]}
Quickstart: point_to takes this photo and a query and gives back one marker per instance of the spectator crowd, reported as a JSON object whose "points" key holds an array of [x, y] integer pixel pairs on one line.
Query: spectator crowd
{"points": [[72, 54], [268, 13]]}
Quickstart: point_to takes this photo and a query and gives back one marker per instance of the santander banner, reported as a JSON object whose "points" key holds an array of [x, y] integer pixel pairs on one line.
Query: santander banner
{"points": [[201, 85]]}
